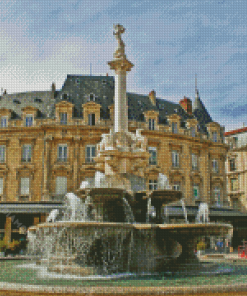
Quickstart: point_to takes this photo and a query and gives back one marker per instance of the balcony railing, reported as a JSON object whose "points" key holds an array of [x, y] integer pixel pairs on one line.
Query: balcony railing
{"points": [[57, 197], [62, 159], [24, 198], [89, 160], [28, 159]]}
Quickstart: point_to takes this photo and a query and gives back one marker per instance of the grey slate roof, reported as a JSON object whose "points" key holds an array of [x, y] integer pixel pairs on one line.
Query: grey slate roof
{"points": [[78, 89], [16, 102], [201, 113]]}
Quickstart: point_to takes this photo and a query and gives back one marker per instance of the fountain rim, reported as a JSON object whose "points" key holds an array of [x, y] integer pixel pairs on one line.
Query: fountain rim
{"points": [[19, 289], [125, 225]]}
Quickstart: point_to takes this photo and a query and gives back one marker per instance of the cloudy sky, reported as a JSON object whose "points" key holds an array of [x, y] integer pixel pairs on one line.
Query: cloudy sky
{"points": [[169, 41]]}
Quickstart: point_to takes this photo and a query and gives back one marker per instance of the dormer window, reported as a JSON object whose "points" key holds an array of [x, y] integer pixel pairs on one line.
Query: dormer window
{"points": [[193, 131], [92, 97], [174, 127], [151, 124], [91, 119], [4, 121], [37, 100], [65, 96], [29, 120], [215, 137], [63, 118]]}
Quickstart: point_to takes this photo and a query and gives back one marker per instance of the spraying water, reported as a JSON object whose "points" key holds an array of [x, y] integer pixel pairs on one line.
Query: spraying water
{"points": [[184, 210], [128, 211]]}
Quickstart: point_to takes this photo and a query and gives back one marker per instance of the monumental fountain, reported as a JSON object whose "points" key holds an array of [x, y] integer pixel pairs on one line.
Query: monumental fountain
{"points": [[112, 225]]}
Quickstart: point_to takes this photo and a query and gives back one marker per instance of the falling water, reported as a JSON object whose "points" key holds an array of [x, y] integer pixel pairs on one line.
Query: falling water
{"points": [[184, 210], [128, 211], [167, 214], [148, 209]]}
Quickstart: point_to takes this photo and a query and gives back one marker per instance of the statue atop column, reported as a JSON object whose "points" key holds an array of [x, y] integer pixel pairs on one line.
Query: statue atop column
{"points": [[120, 52]]}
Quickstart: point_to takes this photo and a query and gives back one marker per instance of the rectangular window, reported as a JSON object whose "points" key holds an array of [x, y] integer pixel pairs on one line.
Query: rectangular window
{"points": [[29, 120], [90, 153], [235, 203], [2, 153], [215, 166], [217, 196], [194, 161], [235, 142], [176, 186], [4, 121], [175, 158], [153, 155], [215, 137], [26, 153], [63, 118], [193, 131], [196, 191], [25, 186], [232, 165], [153, 184], [174, 127], [234, 184], [61, 185], [151, 124], [62, 153], [1, 186], [91, 119]]}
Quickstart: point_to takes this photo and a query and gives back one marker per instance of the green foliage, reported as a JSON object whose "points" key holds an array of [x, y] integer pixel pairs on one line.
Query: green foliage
{"points": [[201, 246], [14, 245], [3, 246]]}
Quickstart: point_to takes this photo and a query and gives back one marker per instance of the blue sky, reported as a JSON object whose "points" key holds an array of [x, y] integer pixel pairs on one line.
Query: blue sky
{"points": [[168, 42]]}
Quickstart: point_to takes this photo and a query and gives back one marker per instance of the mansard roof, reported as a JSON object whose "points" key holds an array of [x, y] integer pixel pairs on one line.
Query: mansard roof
{"points": [[40, 100], [78, 90]]}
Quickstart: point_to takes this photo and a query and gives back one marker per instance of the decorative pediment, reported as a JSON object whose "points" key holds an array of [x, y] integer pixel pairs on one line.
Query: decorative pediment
{"points": [[29, 109], [5, 112], [61, 168], [151, 114], [213, 125], [65, 104], [173, 117]]}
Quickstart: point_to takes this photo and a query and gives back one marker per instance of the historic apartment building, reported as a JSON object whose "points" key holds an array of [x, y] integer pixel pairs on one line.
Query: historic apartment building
{"points": [[236, 168], [48, 143]]}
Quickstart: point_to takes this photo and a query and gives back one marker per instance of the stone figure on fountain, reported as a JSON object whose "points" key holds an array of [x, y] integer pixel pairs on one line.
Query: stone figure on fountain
{"points": [[120, 52]]}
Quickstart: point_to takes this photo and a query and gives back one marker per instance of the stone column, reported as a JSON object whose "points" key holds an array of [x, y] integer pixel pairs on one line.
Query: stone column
{"points": [[46, 160], [75, 165], [35, 220], [7, 236], [120, 65]]}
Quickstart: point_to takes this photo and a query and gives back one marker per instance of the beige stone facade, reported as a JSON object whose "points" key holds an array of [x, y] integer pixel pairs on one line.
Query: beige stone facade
{"points": [[62, 150], [236, 168]]}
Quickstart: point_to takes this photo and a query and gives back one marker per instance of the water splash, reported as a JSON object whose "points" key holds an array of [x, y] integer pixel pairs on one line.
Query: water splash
{"points": [[203, 213], [128, 211], [184, 210]]}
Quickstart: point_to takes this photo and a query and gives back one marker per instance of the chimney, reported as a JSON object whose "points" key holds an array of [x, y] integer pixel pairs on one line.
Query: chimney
{"points": [[186, 104], [5, 92], [152, 97]]}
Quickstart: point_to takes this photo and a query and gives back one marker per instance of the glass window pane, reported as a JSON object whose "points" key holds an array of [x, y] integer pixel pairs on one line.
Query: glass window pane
{"points": [[61, 185], [1, 186], [24, 186]]}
